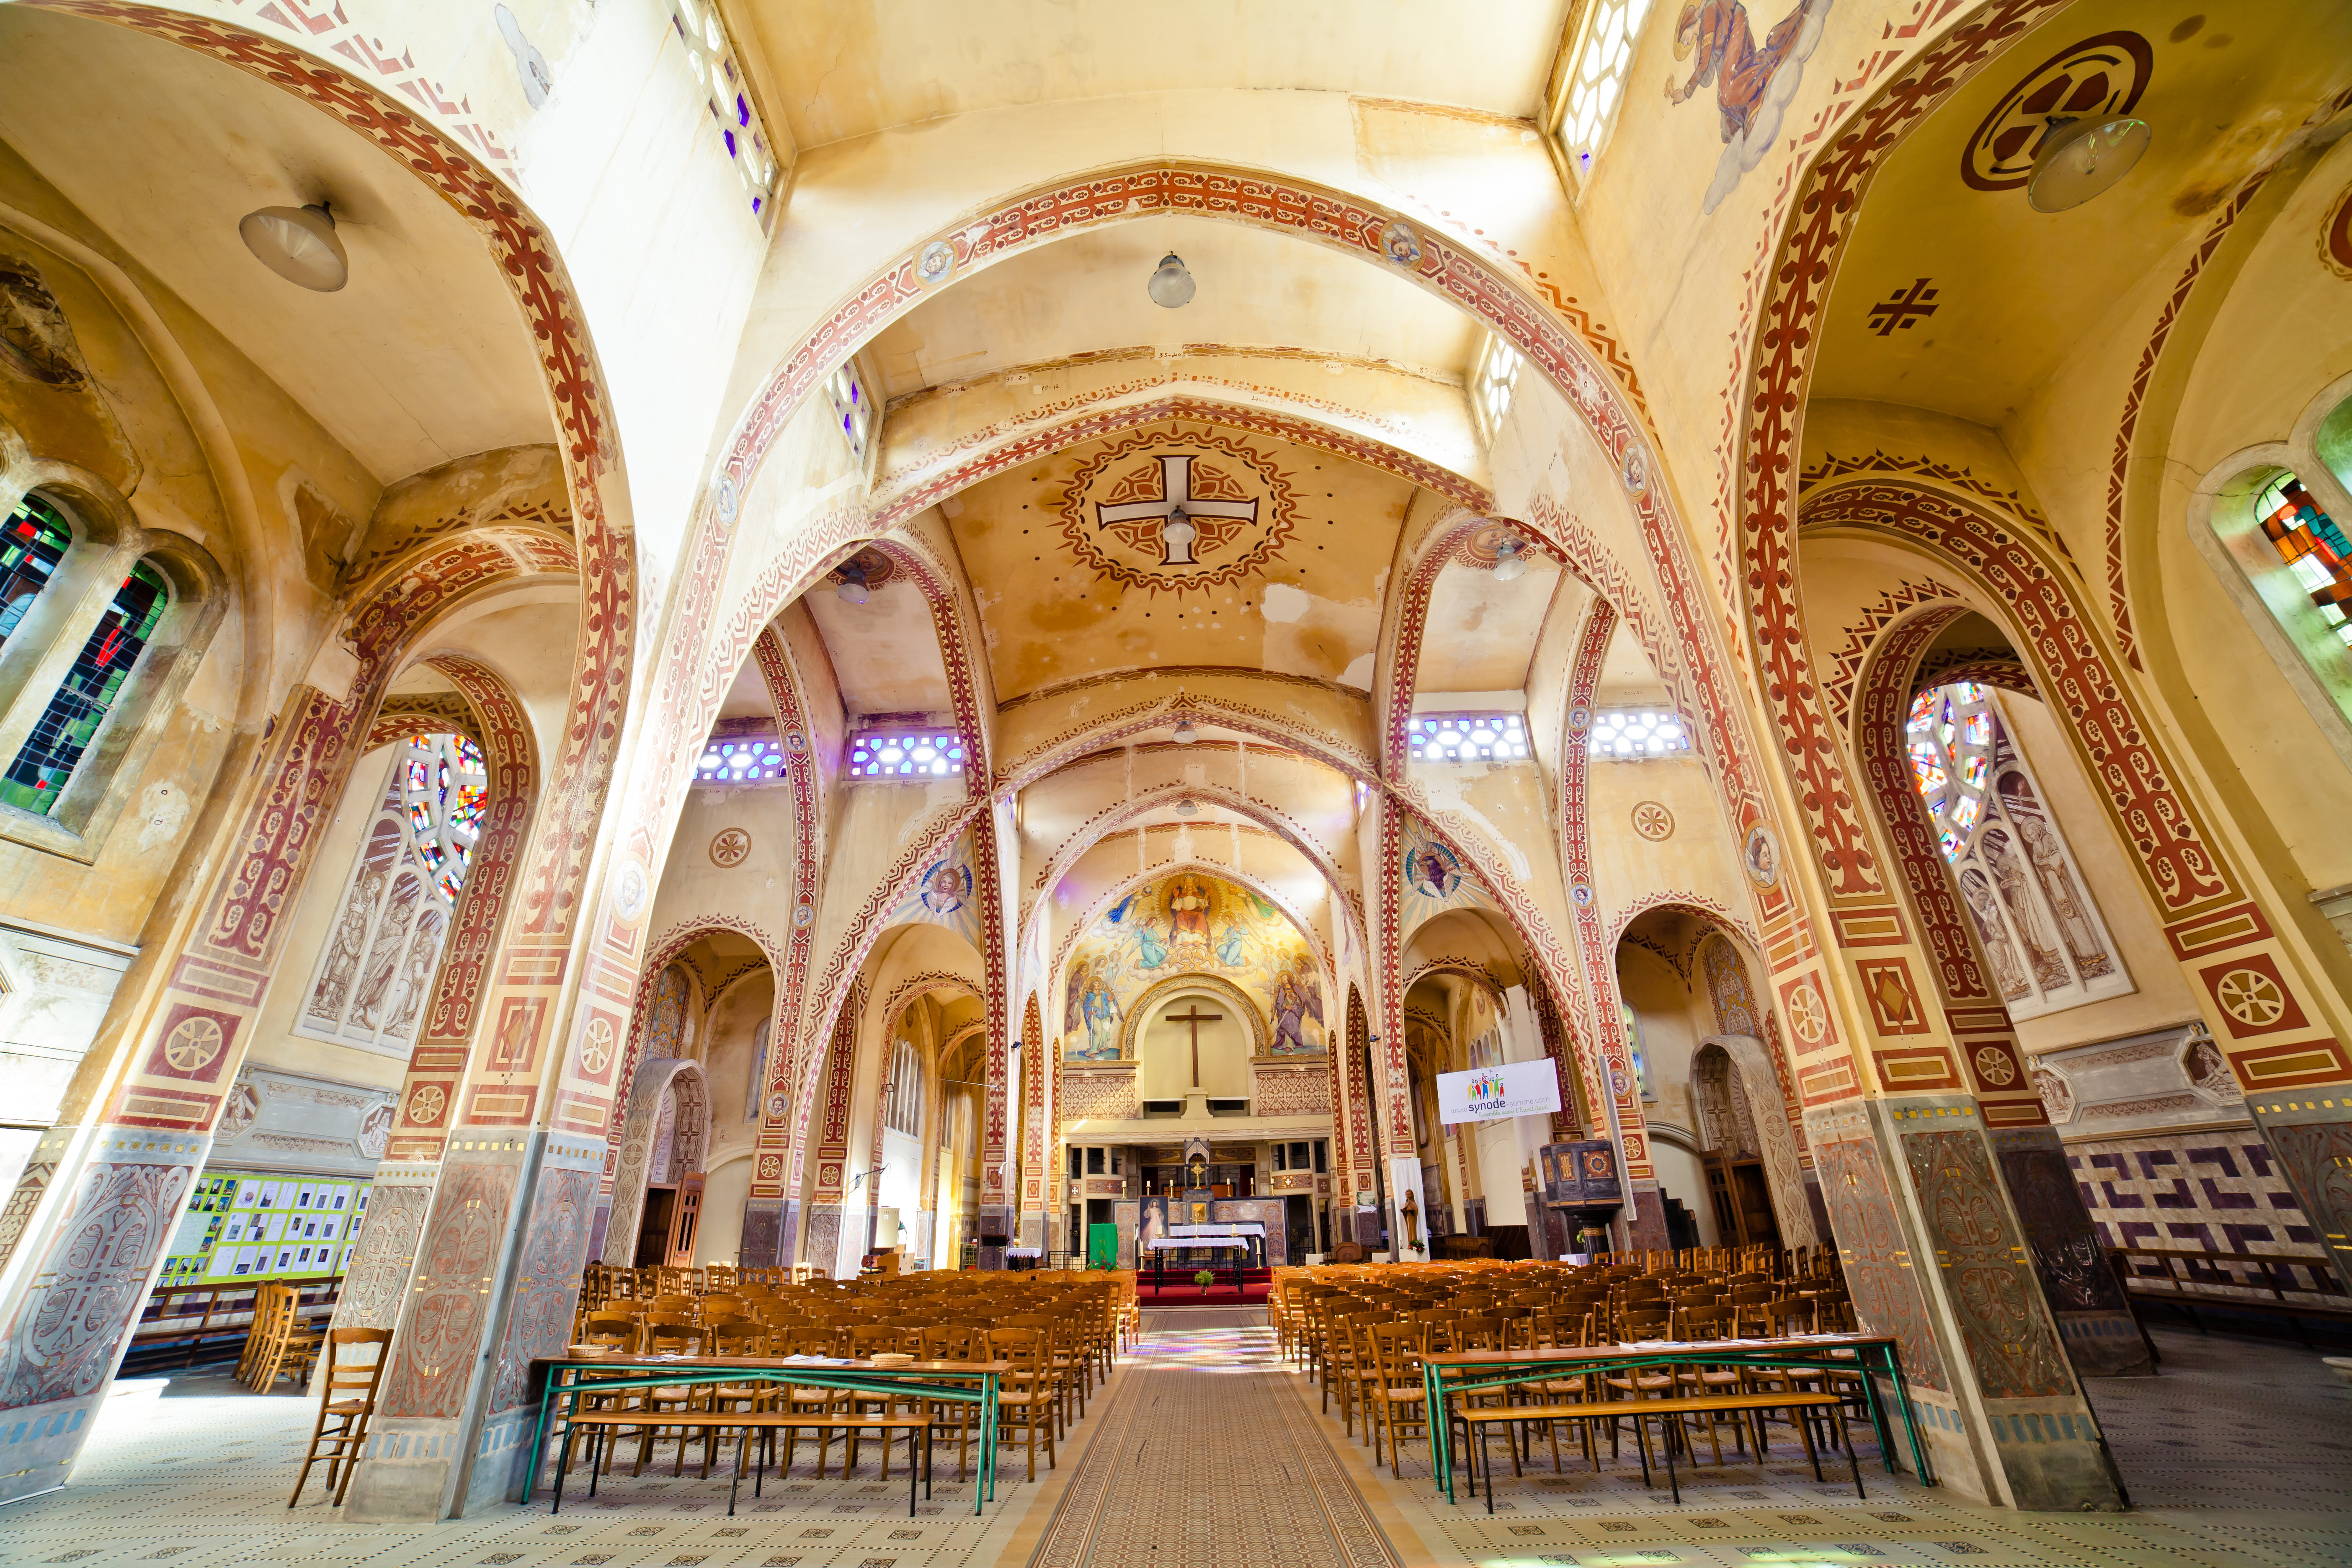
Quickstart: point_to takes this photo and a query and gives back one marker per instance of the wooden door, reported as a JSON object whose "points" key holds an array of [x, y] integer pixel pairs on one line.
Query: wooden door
{"points": [[1753, 1195], [686, 1221]]}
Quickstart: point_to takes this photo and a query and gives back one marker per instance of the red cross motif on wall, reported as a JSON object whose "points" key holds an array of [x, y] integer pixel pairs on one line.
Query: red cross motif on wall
{"points": [[1902, 307]]}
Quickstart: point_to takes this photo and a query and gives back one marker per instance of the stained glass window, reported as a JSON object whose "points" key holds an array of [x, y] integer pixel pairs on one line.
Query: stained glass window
{"points": [[444, 788], [710, 58], [1604, 53], [904, 753], [2041, 931], [853, 411], [1492, 384], [745, 758], [2314, 548], [1466, 738], [37, 539], [1638, 732], [378, 960], [1949, 737], [40, 772]]}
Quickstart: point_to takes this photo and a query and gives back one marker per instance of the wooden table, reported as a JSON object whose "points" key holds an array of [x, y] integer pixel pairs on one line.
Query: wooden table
{"points": [[1473, 1371], [946, 1382]]}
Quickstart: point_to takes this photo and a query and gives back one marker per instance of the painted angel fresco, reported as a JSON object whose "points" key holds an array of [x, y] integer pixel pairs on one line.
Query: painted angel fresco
{"points": [[1753, 83]]}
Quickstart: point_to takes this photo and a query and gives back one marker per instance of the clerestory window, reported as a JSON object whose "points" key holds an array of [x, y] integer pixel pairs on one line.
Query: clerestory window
{"points": [[37, 780]]}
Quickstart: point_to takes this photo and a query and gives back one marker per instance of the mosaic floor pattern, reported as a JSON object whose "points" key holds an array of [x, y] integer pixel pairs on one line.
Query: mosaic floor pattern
{"points": [[1206, 1449]]}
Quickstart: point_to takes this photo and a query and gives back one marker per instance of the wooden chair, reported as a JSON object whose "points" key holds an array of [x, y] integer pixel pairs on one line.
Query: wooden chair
{"points": [[1026, 1397], [346, 1401], [290, 1348], [1395, 1397], [666, 1333]]}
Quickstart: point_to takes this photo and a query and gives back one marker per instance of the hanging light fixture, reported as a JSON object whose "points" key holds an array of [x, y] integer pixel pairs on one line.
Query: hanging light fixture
{"points": [[2080, 158], [1510, 563], [1172, 286], [1188, 807], [852, 583], [299, 245], [1184, 734], [1177, 529]]}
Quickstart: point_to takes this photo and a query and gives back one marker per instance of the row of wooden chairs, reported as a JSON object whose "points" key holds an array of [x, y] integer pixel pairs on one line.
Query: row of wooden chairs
{"points": [[279, 1343], [1073, 1329]]}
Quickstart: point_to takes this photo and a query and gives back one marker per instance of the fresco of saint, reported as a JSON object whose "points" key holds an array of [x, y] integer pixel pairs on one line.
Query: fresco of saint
{"points": [[1188, 911], [1297, 996]]}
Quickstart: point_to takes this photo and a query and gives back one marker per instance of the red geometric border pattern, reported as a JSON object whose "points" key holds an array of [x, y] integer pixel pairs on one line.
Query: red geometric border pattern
{"points": [[1801, 274]]}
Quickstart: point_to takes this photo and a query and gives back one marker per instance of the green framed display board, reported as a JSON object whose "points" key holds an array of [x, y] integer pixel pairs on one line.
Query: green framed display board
{"points": [[244, 1224]]}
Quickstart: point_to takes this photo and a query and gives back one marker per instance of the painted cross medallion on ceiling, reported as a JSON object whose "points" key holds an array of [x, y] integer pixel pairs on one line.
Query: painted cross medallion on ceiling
{"points": [[1172, 514]]}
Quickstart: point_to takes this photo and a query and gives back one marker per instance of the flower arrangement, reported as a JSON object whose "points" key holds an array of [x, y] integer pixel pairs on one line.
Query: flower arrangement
{"points": [[1204, 1279]]}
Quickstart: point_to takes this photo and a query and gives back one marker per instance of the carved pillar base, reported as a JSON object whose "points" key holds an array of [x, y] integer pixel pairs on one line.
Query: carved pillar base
{"points": [[1934, 1253], [92, 1212], [2095, 1318], [496, 1280], [762, 1234]]}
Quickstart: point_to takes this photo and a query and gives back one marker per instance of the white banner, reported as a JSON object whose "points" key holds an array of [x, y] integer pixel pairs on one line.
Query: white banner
{"points": [[1486, 1094]]}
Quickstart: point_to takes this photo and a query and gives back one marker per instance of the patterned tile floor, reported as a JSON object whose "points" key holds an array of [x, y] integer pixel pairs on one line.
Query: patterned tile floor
{"points": [[1206, 1450], [2240, 1454]]}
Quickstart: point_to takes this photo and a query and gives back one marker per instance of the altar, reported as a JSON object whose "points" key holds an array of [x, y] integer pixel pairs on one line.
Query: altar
{"points": [[1233, 1246]]}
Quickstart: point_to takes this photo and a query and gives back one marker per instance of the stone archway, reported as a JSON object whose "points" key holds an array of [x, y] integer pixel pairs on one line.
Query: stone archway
{"points": [[669, 1125], [1752, 1070]]}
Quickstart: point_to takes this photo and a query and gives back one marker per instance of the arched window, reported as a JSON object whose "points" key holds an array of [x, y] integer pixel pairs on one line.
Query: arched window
{"points": [[902, 1108], [37, 778], [1603, 53], [379, 960], [2033, 909], [2312, 546], [38, 538]]}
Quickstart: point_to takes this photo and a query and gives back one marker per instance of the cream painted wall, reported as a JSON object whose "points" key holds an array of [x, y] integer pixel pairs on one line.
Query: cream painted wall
{"points": [[1166, 1049]]}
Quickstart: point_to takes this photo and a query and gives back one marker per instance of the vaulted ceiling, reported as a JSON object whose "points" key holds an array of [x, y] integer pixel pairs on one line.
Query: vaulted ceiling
{"points": [[422, 357], [840, 71]]}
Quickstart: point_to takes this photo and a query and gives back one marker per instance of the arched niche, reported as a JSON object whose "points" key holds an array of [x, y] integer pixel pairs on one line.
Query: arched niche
{"points": [[1226, 1045], [1742, 1125], [657, 1184]]}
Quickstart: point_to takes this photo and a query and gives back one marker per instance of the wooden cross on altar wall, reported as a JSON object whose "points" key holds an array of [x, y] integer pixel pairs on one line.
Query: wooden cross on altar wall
{"points": [[1196, 1018]]}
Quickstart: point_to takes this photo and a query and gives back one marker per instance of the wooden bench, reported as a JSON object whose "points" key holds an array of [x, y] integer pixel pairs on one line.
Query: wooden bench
{"points": [[1479, 1419], [597, 1423], [2187, 1279]]}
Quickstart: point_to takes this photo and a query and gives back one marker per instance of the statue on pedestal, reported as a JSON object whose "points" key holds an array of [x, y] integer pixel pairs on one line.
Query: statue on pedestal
{"points": [[1411, 1222]]}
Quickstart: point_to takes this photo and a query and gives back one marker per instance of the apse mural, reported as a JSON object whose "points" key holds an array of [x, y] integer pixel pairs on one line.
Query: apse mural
{"points": [[1191, 923], [946, 894], [1753, 81]]}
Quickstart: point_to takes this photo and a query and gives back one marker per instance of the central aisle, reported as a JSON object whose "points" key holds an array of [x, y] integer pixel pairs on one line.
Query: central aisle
{"points": [[1205, 1458]]}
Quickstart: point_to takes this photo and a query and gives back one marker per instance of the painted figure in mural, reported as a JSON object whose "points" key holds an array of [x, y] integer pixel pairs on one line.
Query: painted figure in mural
{"points": [[2033, 927], [945, 887], [1151, 947], [1753, 84], [1118, 910], [1297, 998], [1718, 33], [1234, 951], [1188, 911], [1102, 1014], [1431, 870], [2008, 974], [1074, 1004]]}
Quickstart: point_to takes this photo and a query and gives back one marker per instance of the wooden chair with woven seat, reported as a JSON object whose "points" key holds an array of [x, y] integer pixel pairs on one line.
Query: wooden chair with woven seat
{"points": [[1026, 1397], [667, 1333], [736, 1337], [292, 1347], [346, 1403], [1715, 1321], [1394, 1397], [266, 1306], [955, 1341]]}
